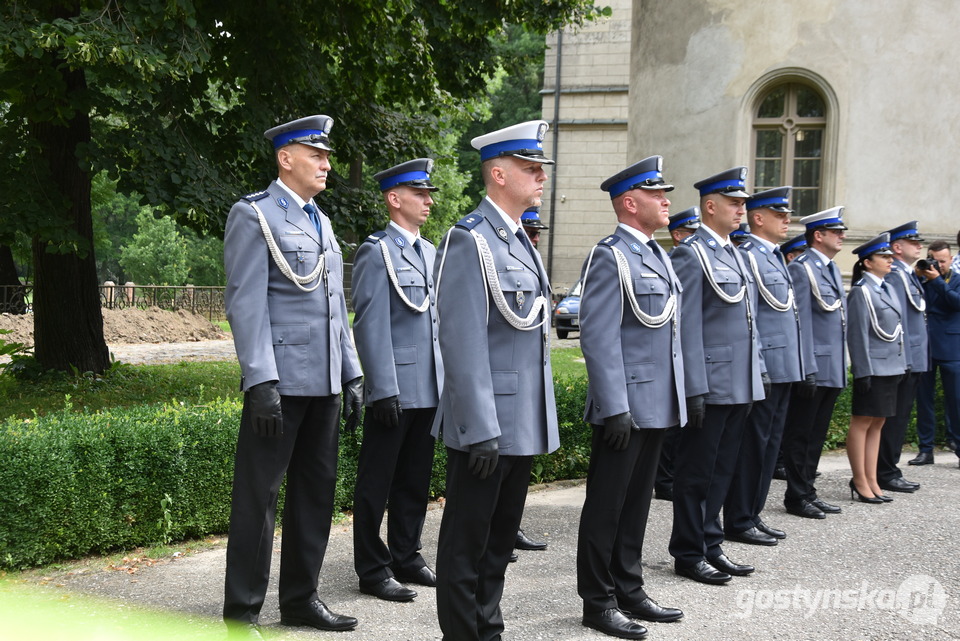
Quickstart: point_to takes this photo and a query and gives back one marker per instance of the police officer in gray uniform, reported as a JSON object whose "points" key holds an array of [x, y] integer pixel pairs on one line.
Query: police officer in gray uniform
{"points": [[906, 245], [395, 329], [786, 351], [822, 306], [723, 375], [497, 409], [286, 307], [629, 320], [876, 344]]}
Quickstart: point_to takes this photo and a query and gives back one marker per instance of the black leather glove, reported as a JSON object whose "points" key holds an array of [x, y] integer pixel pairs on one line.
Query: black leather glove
{"points": [[265, 413], [696, 406], [616, 431], [352, 403], [807, 387], [765, 381], [862, 385], [483, 457], [386, 411]]}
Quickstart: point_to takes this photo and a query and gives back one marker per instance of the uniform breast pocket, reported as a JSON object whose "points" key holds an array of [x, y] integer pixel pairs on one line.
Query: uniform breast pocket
{"points": [[520, 288], [719, 362], [639, 378], [412, 282], [301, 252], [774, 277], [290, 353], [651, 294], [729, 282]]}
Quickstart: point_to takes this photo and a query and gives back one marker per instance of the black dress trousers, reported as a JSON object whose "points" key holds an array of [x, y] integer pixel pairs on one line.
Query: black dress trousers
{"points": [[394, 469], [477, 533], [895, 429], [614, 520], [808, 420], [307, 455]]}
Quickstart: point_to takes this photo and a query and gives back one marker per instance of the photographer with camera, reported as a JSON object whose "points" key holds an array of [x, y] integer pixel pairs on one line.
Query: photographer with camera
{"points": [[941, 289]]}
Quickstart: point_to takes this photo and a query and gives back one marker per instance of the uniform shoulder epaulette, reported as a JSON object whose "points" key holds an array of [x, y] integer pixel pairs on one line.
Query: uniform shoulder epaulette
{"points": [[375, 236], [689, 240], [860, 283], [469, 221], [609, 241], [747, 244], [802, 258], [255, 196]]}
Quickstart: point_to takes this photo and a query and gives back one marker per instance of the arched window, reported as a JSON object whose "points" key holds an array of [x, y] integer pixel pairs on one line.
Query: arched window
{"points": [[788, 142]]}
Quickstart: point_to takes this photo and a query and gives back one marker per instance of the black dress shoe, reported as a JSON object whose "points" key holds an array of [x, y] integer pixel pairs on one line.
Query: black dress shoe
{"points": [[423, 576], [899, 484], [664, 493], [724, 564], [825, 507], [317, 615], [389, 590], [753, 536], [524, 542], [513, 557], [772, 531], [952, 445], [923, 458], [650, 610], [704, 573], [615, 623], [780, 473], [806, 510]]}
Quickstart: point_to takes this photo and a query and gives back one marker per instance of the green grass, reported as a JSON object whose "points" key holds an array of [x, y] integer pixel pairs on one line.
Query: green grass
{"points": [[124, 385], [568, 363]]}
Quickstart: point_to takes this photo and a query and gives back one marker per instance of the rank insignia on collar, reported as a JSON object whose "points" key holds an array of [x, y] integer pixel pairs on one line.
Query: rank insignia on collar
{"points": [[635, 248], [399, 241], [817, 263], [763, 250], [283, 202], [502, 233], [712, 242]]}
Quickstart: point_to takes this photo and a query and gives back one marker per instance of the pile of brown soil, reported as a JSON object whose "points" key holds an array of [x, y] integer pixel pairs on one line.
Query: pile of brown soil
{"points": [[129, 326]]}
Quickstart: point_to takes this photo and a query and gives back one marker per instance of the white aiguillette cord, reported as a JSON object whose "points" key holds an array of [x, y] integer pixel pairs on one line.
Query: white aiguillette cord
{"points": [[422, 307], [281, 262]]}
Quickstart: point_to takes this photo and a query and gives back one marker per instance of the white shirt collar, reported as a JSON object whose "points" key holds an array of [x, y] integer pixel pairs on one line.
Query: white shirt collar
{"points": [[410, 238], [876, 279], [636, 233], [819, 254], [764, 242], [512, 225], [723, 241], [297, 199]]}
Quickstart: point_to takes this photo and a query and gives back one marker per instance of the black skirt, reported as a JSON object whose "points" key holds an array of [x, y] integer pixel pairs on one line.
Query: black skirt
{"points": [[881, 400]]}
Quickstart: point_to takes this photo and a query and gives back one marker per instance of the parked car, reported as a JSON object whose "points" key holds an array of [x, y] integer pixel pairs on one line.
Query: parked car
{"points": [[566, 316]]}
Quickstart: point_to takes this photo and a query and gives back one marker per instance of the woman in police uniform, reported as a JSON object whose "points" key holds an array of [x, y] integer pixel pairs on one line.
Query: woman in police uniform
{"points": [[875, 342]]}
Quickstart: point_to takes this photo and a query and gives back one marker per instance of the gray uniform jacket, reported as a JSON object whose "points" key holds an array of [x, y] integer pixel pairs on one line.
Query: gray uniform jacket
{"points": [[869, 354], [631, 367], [398, 346], [721, 349], [787, 351], [906, 287], [281, 333], [829, 329], [498, 381]]}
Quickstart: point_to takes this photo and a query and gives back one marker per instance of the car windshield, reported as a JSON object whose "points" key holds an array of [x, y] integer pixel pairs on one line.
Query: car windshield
{"points": [[575, 291]]}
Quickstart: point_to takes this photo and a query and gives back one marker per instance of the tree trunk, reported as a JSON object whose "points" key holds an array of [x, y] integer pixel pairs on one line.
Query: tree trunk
{"points": [[12, 293], [68, 322]]}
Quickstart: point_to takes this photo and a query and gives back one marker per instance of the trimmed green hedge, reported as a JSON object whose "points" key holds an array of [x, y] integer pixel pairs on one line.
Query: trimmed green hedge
{"points": [[75, 483]]}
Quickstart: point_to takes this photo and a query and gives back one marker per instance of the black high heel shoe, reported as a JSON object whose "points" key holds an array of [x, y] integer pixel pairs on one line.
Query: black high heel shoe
{"points": [[861, 497], [884, 498]]}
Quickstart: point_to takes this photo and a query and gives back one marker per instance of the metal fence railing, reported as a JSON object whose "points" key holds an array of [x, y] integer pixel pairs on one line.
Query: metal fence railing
{"points": [[207, 301]]}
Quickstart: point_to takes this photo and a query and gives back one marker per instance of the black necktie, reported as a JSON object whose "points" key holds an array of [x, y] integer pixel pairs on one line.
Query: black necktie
{"points": [[522, 237], [416, 247], [314, 217], [779, 255], [655, 248]]}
